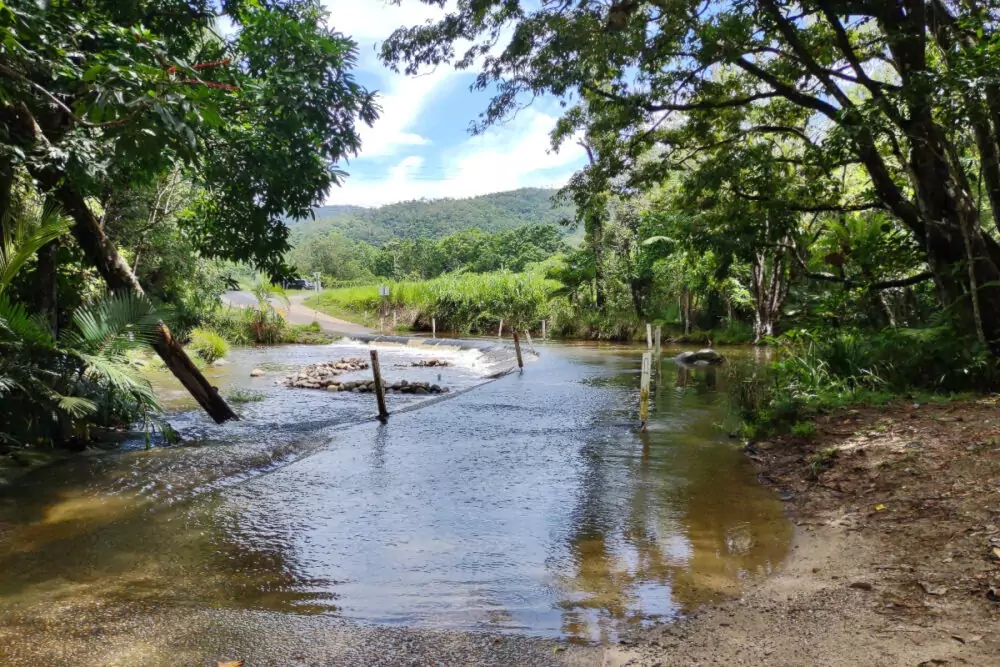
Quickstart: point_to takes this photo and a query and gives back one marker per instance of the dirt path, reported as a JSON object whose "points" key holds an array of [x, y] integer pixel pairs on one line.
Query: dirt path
{"points": [[896, 560], [297, 313]]}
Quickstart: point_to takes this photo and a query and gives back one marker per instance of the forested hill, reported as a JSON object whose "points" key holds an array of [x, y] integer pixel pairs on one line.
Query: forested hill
{"points": [[433, 219]]}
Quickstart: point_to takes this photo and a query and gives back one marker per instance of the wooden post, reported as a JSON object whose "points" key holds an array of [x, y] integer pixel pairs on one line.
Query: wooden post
{"points": [[543, 330], [381, 325], [647, 364], [649, 336], [517, 349], [657, 348], [383, 412], [395, 322], [531, 343], [500, 334], [434, 328]]}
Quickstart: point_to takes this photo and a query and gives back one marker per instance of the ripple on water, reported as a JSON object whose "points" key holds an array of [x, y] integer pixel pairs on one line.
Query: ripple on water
{"points": [[530, 504]]}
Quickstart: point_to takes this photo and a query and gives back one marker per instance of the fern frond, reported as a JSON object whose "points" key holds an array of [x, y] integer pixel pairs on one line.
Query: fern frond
{"points": [[24, 234]]}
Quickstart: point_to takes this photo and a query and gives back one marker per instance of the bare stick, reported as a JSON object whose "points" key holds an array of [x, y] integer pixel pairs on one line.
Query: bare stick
{"points": [[383, 411], [647, 363], [517, 349]]}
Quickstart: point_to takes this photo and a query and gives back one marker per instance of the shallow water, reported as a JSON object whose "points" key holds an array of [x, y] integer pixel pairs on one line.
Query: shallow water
{"points": [[529, 504]]}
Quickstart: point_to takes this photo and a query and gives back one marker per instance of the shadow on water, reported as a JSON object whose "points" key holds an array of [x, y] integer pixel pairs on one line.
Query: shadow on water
{"points": [[531, 504]]}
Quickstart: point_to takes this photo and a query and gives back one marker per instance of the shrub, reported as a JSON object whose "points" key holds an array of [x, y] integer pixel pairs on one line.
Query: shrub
{"points": [[208, 345], [818, 371]]}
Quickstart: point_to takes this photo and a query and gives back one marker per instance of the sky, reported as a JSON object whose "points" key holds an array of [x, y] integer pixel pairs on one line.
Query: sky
{"points": [[420, 148]]}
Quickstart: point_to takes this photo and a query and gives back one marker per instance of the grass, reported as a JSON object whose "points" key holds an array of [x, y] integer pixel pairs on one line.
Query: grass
{"points": [[208, 344], [307, 334], [822, 460], [240, 395], [465, 303]]}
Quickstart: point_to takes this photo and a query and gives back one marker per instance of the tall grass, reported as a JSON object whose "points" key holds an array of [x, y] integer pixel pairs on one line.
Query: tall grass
{"points": [[818, 371], [464, 303]]}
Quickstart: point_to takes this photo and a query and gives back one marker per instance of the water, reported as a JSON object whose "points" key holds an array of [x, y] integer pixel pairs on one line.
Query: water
{"points": [[529, 504]]}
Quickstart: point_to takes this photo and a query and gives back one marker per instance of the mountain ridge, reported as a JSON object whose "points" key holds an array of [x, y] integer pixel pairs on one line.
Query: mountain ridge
{"points": [[435, 218]]}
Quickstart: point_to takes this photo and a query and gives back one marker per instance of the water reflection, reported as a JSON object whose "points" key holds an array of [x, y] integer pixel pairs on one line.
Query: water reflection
{"points": [[531, 504], [678, 525]]}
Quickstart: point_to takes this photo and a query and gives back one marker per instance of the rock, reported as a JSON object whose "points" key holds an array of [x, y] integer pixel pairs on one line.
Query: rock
{"points": [[420, 390], [861, 585], [706, 355], [220, 362], [333, 387], [256, 373], [931, 589]]}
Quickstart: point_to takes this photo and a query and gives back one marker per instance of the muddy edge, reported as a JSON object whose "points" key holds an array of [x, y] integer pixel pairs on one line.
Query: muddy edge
{"points": [[896, 512]]}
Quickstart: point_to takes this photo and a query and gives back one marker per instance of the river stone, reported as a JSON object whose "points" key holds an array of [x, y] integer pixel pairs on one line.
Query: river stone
{"points": [[702, 357], [256, 373]]}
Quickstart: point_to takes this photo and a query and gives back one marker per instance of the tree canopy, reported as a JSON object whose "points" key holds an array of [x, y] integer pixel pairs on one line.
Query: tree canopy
{"points": [[901, 94]]}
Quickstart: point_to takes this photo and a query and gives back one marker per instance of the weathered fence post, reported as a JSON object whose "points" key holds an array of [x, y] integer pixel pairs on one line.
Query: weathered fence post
{"points": [[647, 363], [434, 328], [500, 333], [381, 325], [383, 411], [531, 343], [395, 323], [649, 336], [517, 349], [543, 330], [656, 340]]}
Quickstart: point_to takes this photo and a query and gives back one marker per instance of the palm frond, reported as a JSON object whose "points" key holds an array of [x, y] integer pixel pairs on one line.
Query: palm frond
{"points": [[116, 373], [24, 234], [75, 406], [17, 324], [115, 321]]}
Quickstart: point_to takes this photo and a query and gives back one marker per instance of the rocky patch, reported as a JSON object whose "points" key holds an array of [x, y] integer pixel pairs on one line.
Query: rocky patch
{"points": [[324, 374], [400, 387], [431, 363]]}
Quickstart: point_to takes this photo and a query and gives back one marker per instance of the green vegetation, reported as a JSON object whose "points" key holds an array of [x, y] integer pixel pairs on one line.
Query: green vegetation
{"points": [[341, 260], [138, 122], [819, 372], [240, 395], [825, 175], [56, 388], [470, 303], [208, 345], [432, 220]]}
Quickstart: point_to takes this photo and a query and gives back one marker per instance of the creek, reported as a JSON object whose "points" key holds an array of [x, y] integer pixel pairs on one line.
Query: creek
{"points": [[528, 504]]}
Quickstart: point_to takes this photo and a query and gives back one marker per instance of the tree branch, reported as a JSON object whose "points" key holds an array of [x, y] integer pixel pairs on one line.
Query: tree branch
{"points": [[885, 284]]}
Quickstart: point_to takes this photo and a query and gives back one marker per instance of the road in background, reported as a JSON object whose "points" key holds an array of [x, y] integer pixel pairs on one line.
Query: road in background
{"points": [[296, 312]]}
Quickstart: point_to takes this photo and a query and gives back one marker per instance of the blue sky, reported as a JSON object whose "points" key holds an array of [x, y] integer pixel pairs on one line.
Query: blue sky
{"points": [[421, 147]]}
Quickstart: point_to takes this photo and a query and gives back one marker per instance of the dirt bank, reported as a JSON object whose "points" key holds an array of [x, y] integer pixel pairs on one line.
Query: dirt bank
{"points": [[896, 559]]}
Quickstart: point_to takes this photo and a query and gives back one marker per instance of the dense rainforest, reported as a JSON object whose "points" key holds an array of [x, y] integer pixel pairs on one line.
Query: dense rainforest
{"points": [[821, 178], [432, 219]]}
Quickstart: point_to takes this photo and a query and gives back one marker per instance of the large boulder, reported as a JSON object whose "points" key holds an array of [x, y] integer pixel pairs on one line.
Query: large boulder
{"points": [[703, 357]]}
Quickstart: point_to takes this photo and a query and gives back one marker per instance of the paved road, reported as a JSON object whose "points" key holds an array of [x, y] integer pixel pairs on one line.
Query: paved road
{"points": [[297, 313]]}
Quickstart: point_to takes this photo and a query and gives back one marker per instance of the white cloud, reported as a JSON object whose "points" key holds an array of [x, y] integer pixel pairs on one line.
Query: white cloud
{"points": [[507, 157], [402, 98]]}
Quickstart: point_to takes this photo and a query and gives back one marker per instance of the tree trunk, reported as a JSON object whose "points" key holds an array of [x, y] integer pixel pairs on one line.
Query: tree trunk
{"points": [[46, 285], [103, 254], [769, 287], [953, 235], [87, 230]]}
